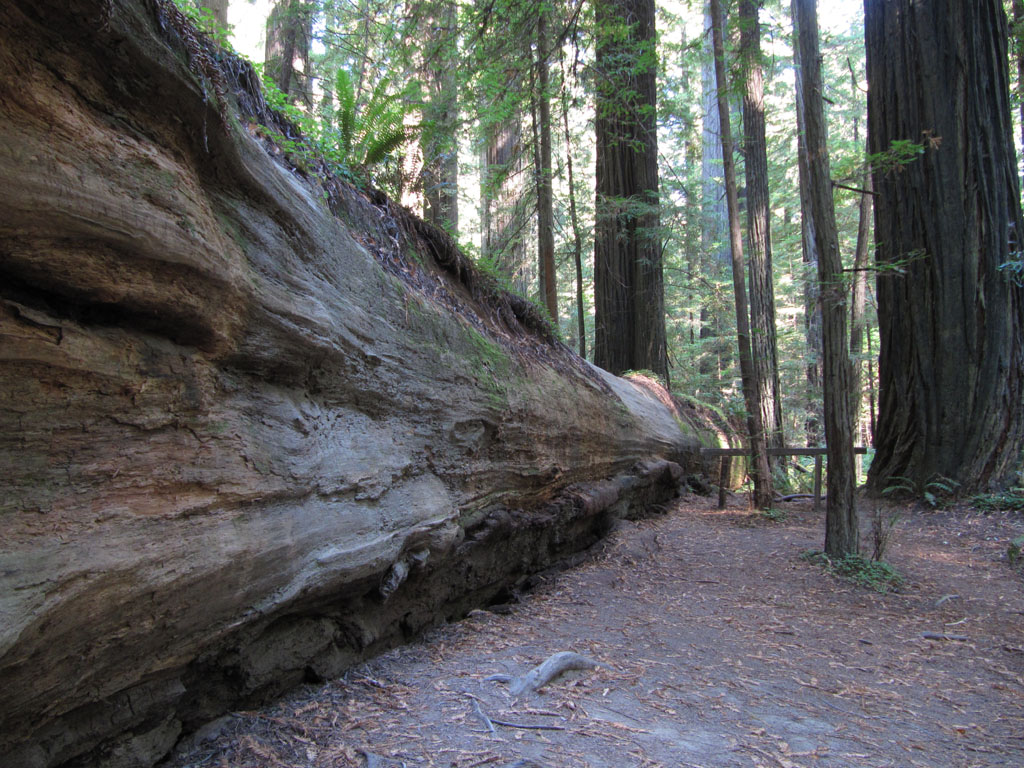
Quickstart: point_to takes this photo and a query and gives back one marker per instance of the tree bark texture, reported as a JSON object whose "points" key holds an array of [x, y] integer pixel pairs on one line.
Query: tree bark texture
{"points": [[545, 196], [439, 138], [714, 231], [629, 323], [577, 245], [951, 364], [764, 346], [841, 531], [286, 53], [858, 305], [760, 470], [809, 249]]}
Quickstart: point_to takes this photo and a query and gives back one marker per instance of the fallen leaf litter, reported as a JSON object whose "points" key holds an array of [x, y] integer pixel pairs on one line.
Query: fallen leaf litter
{"points": [[707, 642]]}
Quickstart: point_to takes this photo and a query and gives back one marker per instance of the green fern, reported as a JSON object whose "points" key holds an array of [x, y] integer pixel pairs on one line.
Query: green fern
{"points": [[367, 136]]}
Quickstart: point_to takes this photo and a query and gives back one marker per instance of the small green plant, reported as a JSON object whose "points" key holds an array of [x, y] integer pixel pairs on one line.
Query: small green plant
{"points": [[204, 20], [646, 373], [774, 515], [874, 574], [1014, 551], [1012, 499], [935, 493], [365, 136]]}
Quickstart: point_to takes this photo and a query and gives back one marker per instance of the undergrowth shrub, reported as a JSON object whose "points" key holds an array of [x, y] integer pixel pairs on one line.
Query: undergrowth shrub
{"points": [[874, 574]]}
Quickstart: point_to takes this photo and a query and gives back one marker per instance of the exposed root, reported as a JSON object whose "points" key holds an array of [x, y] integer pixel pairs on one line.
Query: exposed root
{"points": [[555, 665]]}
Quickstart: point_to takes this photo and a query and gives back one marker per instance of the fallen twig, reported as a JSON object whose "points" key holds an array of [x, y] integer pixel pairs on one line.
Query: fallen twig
{"points": [[488, 724], [943, 636], [528, 726]]}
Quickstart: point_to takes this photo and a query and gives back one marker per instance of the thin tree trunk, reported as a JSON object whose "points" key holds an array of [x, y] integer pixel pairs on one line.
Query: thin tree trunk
{"points": [[762, 288], [841, 531], [714, 216], [577, 238], [1018, 47], [809, 249], [751, 391], [545, 198], [858, 305]]}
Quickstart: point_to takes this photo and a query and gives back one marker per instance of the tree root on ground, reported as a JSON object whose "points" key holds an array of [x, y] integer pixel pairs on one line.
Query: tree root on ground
{"points": [[538, 677]]}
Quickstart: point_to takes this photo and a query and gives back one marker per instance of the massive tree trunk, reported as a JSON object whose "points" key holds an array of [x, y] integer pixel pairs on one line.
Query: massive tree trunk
{"points": [[841, 530], [760, 471], [255, 425], [286, 54], [762, 287], [951, 364], [629, 322]]}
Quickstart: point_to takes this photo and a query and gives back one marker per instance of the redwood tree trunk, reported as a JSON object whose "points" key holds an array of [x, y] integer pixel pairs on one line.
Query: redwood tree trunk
{"points": [[545, 198], [751, 390], [762, 288], [841, 534], [577, 245], [950, 365], [289, 33], [809, 248], [629, 323], [440, 119], [714, 229]]}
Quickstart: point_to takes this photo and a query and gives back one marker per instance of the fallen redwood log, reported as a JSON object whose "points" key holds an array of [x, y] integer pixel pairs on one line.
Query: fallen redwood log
{"points": [[255, 425]]}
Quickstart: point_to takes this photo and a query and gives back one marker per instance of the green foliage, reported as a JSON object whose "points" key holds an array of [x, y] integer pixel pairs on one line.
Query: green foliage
{"points": [[874, 574], [1012, 499], [935, 493], [366, 136], [647, 374], [774, 515], [204, 20], [898, 156], [1014, 551]]}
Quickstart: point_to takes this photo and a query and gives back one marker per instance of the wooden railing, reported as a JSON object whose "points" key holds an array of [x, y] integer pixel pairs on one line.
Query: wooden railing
{"points": [[727, 453]]}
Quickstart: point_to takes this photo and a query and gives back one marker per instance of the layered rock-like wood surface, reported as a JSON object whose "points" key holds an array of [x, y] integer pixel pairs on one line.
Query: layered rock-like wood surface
{"points": [[253, 426]]}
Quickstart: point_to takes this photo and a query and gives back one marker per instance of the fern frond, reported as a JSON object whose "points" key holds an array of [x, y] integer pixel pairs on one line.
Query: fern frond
{"points": [[383, 146], [346, 95]]}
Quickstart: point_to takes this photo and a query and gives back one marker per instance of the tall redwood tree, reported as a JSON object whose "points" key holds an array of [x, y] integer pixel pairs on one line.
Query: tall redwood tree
{"points": [[951, 363], [629, 321]]}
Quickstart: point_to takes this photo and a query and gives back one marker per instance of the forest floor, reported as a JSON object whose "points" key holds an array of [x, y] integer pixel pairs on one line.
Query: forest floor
{"points": [[723, 648]]}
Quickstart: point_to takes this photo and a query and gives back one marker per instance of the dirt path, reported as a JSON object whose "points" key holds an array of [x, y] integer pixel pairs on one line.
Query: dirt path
{"points": [[724, 649]]}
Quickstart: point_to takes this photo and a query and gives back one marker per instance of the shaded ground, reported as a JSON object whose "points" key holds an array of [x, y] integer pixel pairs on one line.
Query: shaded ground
{"points": [[723, 647]]}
